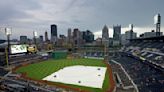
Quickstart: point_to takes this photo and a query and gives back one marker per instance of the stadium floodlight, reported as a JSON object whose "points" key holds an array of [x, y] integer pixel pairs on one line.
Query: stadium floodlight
{"points": [[8, 31], [131, 26], [35, 36], [155, 19]]}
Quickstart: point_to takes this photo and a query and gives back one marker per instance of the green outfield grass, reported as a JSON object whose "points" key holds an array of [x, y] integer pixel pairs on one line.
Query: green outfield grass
{"points": [[40, 70]]}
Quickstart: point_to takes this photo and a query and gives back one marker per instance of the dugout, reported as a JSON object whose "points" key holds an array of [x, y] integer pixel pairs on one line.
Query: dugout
{"points": [[59, 54]]}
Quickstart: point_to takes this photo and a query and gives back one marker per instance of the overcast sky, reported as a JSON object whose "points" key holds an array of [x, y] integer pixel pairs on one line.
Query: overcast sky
{"points": [[26, 16]]}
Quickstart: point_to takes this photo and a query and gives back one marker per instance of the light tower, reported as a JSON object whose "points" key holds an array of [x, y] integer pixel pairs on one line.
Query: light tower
{"points": [[157, 22], [7, 50]]}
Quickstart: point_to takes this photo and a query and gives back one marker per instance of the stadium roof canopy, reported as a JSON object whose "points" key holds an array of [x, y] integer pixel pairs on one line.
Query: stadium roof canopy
{"points": [[2, 41], [150, 38]]}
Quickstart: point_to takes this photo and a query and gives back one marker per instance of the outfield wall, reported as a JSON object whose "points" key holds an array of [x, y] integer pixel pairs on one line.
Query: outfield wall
{"points": [[94, 57], [59, 55]]}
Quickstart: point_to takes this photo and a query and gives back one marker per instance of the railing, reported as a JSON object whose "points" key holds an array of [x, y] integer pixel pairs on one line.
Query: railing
{"points": [[127, 87]]}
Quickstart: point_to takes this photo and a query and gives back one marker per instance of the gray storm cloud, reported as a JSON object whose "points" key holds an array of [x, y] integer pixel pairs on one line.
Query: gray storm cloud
{"points": [[25, 16]]}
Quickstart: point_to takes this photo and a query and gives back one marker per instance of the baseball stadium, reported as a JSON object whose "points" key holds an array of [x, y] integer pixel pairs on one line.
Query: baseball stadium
{"points": [[79, 74], [80, 63]]}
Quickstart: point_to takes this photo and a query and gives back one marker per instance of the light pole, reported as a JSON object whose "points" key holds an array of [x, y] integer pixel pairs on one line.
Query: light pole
{"points": [[8, 33], [35, 34], [106, 49]]}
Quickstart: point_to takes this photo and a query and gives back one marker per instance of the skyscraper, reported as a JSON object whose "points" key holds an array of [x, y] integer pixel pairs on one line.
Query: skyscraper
{"points": [[117, 33], [23, 39], [88, 36], [69, 32], [77, 37], [105, 34], [41, 39], [54, 33], [46, 36], [69, 35], [127, 36], [35, 34], [54, 30]]}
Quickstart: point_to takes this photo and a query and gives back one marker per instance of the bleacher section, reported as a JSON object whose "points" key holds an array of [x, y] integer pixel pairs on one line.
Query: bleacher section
{"points": [[143, 59], [152, 51], [94, 54], [16, 60], [123, 77], [3, 72], [2, 59], [13, 82], [146, 77]]}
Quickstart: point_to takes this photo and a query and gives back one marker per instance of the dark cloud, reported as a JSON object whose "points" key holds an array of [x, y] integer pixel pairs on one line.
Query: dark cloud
{"points": [[84, 14], [15, 9]]}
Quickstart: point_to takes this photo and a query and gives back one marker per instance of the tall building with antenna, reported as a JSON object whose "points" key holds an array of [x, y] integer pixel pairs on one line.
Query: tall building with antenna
{"points": [[131, 30]]}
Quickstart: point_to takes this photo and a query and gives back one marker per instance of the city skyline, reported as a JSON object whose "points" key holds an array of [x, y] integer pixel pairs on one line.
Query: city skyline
{"points": [[27, 16]]}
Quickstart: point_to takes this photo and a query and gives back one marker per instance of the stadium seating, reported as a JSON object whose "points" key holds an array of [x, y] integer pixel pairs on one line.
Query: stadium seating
{"points": [[3, 72], [147, 78], [152, 51], [124, 79]]}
